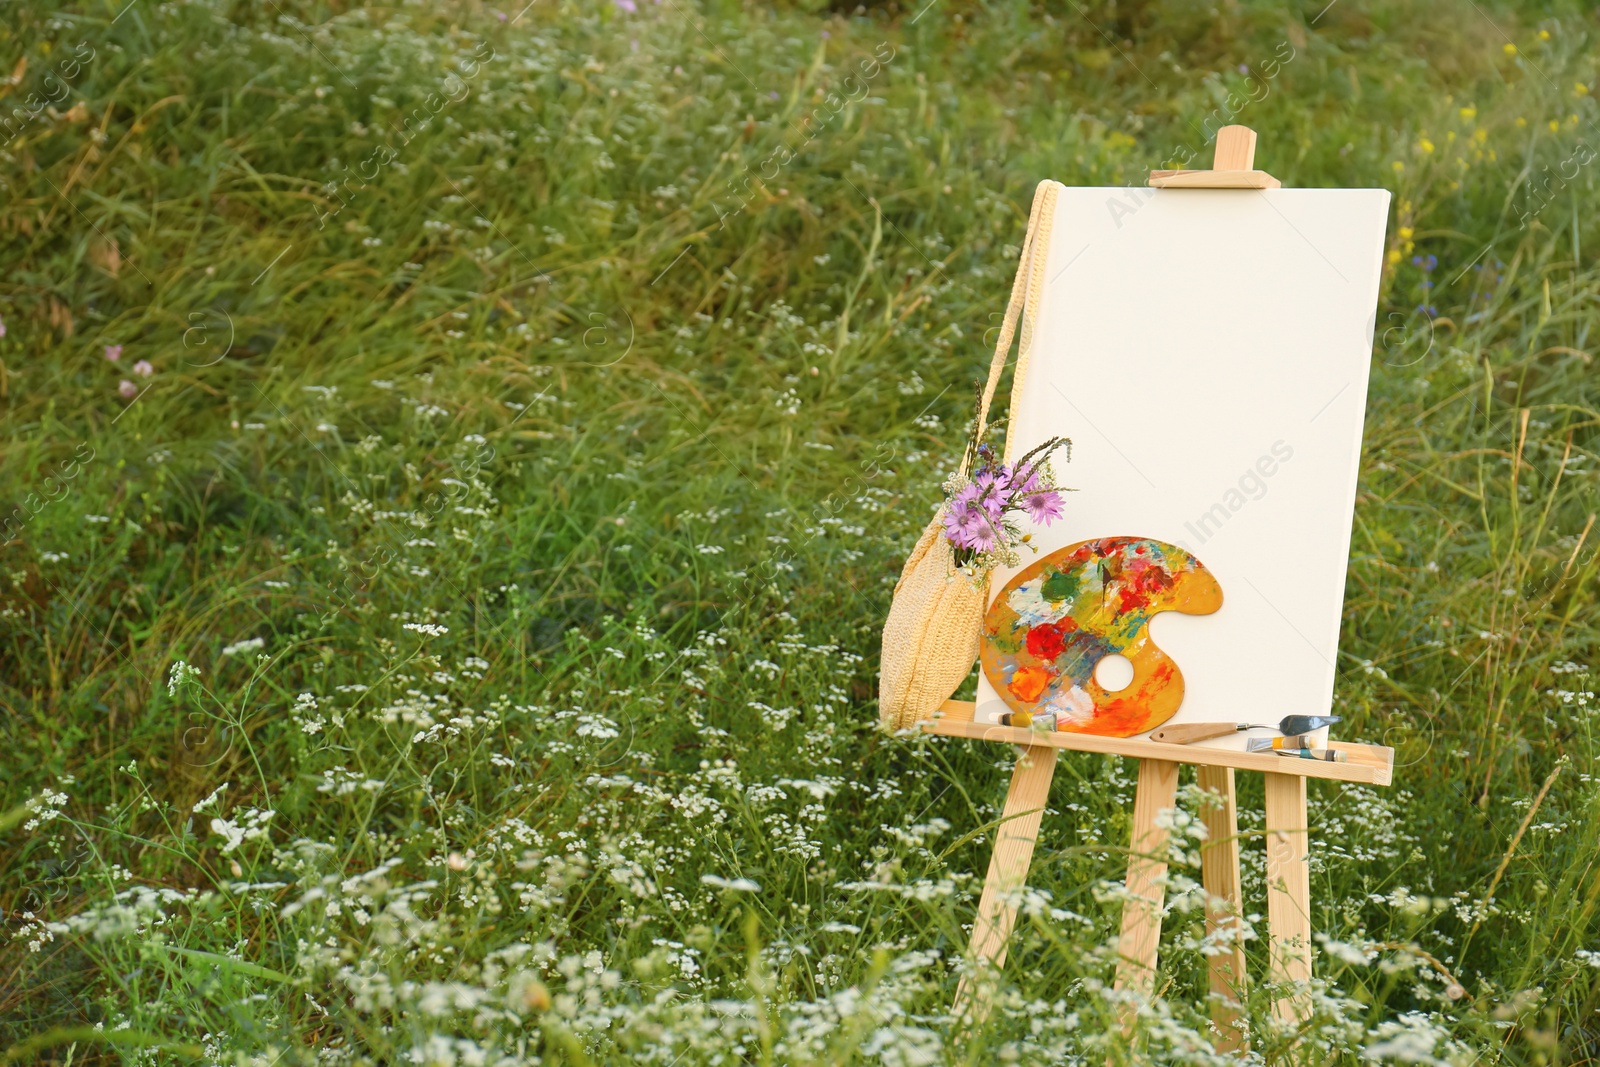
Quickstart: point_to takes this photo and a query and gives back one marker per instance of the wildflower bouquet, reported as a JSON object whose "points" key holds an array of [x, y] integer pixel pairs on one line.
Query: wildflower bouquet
{"points": [[982, 511]]}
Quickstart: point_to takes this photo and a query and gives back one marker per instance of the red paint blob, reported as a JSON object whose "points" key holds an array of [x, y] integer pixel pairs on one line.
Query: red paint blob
{"points": [[1045, 641]]}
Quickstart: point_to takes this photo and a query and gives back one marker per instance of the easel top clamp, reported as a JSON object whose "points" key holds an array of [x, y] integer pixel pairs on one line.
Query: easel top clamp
{"points": [[1287, 819], [1230, 166]]}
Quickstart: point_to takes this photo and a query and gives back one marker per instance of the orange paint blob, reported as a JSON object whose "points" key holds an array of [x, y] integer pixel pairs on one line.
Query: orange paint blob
{"points": [[1029, 682]]}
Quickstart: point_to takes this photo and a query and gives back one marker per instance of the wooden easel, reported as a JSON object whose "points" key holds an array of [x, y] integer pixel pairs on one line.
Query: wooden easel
{"points": [[1288, 878]]}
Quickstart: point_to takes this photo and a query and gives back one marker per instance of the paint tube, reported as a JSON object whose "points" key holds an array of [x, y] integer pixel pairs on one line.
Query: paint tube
{"points": [[1267, 744], [1326, 755], [1044, 721]]}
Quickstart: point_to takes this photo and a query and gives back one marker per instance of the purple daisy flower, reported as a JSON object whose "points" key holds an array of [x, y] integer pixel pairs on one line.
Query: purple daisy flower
{"points": [[967, 521], [993, 489], [1028, 481], [955, 529], [955, 521], [981, 535], [967, 498], [1043, 507], [970, 528]]}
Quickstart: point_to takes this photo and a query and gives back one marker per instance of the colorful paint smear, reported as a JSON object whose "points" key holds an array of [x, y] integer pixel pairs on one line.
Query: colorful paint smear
{"points": [[1055, 621]]}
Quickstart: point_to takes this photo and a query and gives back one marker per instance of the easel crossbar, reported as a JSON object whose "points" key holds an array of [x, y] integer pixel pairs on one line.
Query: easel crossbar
{"points": [[1368, 764]]}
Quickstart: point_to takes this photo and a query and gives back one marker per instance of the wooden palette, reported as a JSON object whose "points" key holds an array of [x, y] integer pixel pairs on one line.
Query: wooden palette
{"points": [[1056, 620]]}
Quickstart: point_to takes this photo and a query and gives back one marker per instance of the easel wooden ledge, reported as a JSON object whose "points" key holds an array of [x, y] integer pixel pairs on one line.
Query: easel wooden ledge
{"points": [[1287, 820]]}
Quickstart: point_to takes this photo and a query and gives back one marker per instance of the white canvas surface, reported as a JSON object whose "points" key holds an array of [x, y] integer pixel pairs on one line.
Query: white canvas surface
{"points": [[1207, 352]]}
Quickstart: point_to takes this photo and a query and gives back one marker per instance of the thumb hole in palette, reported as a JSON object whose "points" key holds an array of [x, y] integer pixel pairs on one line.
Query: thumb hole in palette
{"points": [[1114, 672]]}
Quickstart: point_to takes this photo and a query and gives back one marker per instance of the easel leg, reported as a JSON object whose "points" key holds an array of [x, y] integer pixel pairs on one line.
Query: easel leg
{"points": [[1288, 888], [1219, 872], [1008, 872], [1147, 868]]}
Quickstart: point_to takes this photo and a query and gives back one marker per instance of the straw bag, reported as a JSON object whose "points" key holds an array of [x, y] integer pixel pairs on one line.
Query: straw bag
{"points": [[931, 637]]}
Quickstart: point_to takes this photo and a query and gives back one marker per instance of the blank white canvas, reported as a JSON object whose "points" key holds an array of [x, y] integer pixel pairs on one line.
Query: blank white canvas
{"points": [[1188, 341]]}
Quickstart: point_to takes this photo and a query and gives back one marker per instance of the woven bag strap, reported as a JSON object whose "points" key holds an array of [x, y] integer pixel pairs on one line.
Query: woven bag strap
{"points": [[1030, 311], [1026, 289]]}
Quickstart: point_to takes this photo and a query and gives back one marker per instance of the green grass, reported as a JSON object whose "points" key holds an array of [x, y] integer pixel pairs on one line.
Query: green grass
{"points": [[566, 469]]}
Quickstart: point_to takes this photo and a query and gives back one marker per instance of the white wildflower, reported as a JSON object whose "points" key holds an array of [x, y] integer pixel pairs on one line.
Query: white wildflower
{"points": [[428, 628], [181, 672], [741, 885], [210, 800], [250, 826]]}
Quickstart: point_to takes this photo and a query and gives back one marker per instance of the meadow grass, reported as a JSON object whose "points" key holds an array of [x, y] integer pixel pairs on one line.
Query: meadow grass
{"points": [[460, 646]]}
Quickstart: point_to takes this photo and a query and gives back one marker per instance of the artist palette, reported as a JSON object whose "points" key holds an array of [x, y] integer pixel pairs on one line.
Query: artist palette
{"points": [[1057, 619]]}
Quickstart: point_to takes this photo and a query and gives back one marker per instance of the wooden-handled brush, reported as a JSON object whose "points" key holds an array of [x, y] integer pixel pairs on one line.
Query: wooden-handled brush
{"points": [[1188, 732]]}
